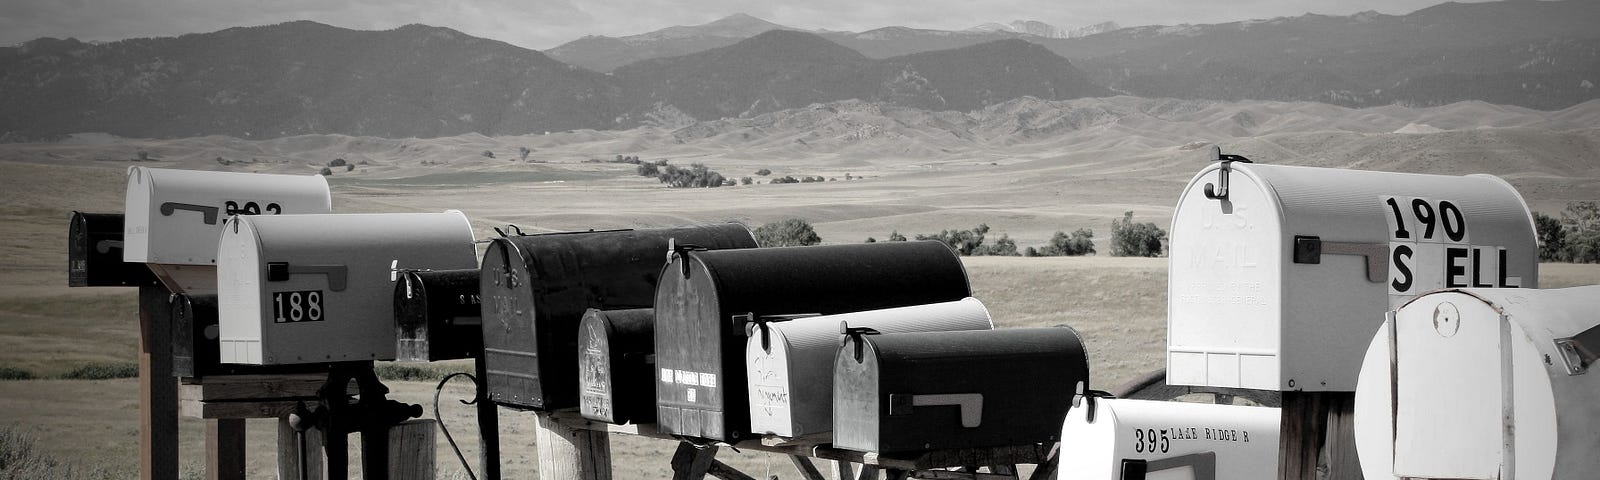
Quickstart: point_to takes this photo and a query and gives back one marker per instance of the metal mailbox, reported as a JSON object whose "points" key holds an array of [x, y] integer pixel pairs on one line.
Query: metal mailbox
{"points": [[904, 392], [195, 352], [320, 288], [1128, 439], [707, 297], [1279, 274], [790, 363], [536, 287], [437, 315], [174, 216], [1483, 383], [94, 253], [616, 357]]}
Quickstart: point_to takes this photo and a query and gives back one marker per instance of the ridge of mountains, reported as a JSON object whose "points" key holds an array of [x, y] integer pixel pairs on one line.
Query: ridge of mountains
{"points": [[420, 81]]}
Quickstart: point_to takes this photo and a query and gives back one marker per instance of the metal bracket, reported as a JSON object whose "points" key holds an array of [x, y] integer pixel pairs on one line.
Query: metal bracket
{"points": [[337, 274], [971, 405], [1220, 190], [208, 214], [1580, 351], [1308, 249]]}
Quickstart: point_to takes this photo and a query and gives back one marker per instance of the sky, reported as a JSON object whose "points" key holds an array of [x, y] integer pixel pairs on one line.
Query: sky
{"points": [[542, 24]]}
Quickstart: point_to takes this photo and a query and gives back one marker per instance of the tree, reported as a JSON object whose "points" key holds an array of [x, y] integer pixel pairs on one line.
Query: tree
{"points": [[349, 167], [488, 154], [1002, 247], [522, 153], [337, 162], [1580, 225], [964, 242], [745, 180], [1552, 240], [1081, 242], [895, 236], [763, 172], [326, 172], [789, 232], [1130, 239]]}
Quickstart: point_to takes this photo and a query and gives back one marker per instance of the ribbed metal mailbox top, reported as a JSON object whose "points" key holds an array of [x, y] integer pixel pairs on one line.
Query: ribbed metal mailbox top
{"points": [[437, 315], [536, 287], [700, 337], [173, 216], [1279, 285], [790, 363], [616, 350], [1484, 383], [968, 389]]}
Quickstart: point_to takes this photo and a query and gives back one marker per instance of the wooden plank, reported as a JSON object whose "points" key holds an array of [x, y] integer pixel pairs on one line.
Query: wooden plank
{"points": [[412, 450], [289, 453], [567, 453], [158, 389], [272, 409], [225, 449], [257, 387], [1339, 451], [844, 470], [692, 462], [1316, 439]]}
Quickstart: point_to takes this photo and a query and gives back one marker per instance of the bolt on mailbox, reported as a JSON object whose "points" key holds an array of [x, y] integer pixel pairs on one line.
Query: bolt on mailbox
{"points": [[320, 288], [1119, 438], [616, 358], [173, 217], [1483, 383], [1279, 274], [790, 362], [437, 315], [706, 298], [901, 392]]}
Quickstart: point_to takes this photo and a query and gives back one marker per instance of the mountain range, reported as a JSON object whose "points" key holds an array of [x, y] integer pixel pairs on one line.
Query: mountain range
{"points": [[420, 81]]}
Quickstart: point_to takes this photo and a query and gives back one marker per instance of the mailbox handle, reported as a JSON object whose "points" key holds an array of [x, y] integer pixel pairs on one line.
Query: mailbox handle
{"points": [[1203, 464], [105, 246], [208, 214], [1308, 249], [971, 405], [337, 274]]}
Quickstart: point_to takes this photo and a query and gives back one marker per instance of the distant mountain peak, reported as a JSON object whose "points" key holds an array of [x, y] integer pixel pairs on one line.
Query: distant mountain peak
{"points": [[1026, 27]]}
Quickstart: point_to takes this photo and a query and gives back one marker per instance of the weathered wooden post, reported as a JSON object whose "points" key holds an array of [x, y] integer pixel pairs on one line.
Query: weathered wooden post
{"points": [[567, 453]]}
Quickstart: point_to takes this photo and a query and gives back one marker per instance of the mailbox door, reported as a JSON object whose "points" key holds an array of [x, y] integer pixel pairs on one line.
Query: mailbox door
{"points": [[1171, 439], [94, 253], [614, 372], [690, 383], [437, 315]]}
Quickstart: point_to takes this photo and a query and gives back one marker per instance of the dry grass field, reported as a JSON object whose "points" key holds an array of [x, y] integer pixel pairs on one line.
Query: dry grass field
{"points": [[1021, 186]]}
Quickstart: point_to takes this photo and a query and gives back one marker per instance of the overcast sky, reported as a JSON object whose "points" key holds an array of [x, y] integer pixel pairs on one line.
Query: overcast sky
{"points": [[541, 24]]}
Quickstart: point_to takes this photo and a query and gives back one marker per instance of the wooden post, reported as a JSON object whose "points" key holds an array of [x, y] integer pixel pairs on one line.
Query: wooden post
{"points": [[225, 449], [691, 462], [158, 389], [566, 453], [1316, 437], [488, 423], [411, 450], [289, 453]]}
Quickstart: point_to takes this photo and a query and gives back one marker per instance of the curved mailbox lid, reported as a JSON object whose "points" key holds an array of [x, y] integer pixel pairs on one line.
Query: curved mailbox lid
{"points": [[173, 216], [1466, 360], [1212, 441]]}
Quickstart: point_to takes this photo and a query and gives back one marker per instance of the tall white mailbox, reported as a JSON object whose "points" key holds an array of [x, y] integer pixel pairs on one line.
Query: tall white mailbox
{"points": [[1278, 275], [1129, 438], [320, 288], [173, 217], [790, 363], [1483, 383]]}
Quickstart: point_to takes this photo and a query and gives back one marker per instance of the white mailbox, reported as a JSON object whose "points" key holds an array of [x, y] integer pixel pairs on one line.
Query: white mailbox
{"points": [[1171, 440], [173, 217], [1483, 383], [320, 288], [790, 363], [1278, 275]]}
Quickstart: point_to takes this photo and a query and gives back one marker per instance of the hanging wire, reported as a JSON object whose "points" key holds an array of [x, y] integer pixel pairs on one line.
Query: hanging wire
{"points": [[440, 389]]}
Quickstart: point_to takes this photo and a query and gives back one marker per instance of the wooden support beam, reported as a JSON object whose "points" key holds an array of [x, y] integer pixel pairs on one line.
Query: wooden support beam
{"points": [[1316, 437], [843, 470], [412, 450], [806, 468], [691, 462], [289, 453], [725, 472], [225, 449], [567, 453], [158, 389]]}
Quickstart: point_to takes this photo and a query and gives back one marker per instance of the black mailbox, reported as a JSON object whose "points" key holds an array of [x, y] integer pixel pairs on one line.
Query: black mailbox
{"points": [[535, 289], [616, 356], [437, 315], [948, 390], [94, 253], [707, 297], [195, 352]]}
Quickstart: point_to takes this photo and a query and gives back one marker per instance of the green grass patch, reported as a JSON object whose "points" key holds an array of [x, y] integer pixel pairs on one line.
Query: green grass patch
{"points": [[20, 457], [420, 372], [103, 371], [467, 179], [13, 373]]}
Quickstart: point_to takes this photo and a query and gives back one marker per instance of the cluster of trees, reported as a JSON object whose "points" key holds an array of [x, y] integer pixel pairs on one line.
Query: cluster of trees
{"points": [[332, 164], [789, 232], [1575, 237], [802, 179], [1128, 239], [696, 176]]}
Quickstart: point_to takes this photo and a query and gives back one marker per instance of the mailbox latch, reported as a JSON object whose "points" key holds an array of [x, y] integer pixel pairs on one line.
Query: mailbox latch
{"points": [[280, 272]]}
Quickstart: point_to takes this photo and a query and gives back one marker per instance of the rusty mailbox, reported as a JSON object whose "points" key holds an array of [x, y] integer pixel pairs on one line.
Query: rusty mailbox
{"points": [[296, 289], [94, 253], [616, 357], [437, 315], [790, 363], [900, 392], [706, 299], [535, 289], [1280, 274]]}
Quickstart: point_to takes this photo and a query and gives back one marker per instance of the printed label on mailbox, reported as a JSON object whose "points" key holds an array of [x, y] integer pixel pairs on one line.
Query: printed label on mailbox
{"points": [[298, 306], [1430, 248]]}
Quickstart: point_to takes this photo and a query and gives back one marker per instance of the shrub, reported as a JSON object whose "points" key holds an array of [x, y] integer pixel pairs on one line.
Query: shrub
{"points": [[1130, 239], [895, 236], [349, 167], [326, 172], [964, 242], [14, 373], [522, 153], [789, 232], [488, 154], [1002, 247], [430, 372], [337, 162], [1081, 242], [1552, 240], [763, 172], [20, 458], [745, 180], [103, 371], [784, 179]]}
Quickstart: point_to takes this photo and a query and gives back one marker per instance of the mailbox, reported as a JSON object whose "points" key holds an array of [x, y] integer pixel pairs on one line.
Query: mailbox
{"points": [[1483, 383], [194, 342], [707, 297], [790, 363], [1279, 274], [437, 315], [94, 253], [174, 216], [536, 288], [901, 392], [1128, 439], [616, 356], [320, 288]]}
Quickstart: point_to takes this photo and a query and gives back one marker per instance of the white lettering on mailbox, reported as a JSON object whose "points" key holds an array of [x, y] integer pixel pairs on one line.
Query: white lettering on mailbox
{"points": [[1429, 248]]}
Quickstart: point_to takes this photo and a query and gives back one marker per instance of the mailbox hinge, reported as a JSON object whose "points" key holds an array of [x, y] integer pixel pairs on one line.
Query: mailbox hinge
{"points": [[1580, 351], [971, 405], [1308, 249], [280, 272]]}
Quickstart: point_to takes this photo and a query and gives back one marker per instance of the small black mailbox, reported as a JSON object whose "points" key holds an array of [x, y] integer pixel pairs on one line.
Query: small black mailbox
{"points": [[707, 297], [437, 315], [947, 390], [94, 253], [535, 289], [195, 352], [616, 356]]}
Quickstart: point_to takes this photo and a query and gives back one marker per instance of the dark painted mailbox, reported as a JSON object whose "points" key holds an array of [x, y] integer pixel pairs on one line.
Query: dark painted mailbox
{"points": [[616, 355], [195, 352], [706, 298], [437, 315], [945, 390], [94, 253], [536, 287]]}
